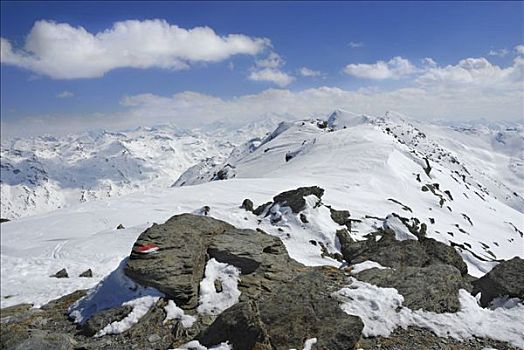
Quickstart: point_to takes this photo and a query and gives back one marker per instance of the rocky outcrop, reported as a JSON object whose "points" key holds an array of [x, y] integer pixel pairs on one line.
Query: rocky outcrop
{"points": [[433, 288], [426, 272], [382, 247], [295, 198], [298, 310], [86, 274], [61, 274], [505, 279], [178, 266]]}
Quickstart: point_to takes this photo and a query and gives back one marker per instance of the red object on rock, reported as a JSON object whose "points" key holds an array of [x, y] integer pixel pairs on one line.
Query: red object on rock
{"points": [[146, 248]]}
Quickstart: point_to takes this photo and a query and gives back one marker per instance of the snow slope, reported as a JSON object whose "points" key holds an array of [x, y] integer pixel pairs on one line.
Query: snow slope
{"points": [[363, 168]]}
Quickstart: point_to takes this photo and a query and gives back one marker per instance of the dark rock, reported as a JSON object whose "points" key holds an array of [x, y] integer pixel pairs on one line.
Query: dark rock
{"points": [[303, 218], [296, 311], [102, 319], [87, 273], [61, 274], [178, 266], [389, 252], [340, 216], [120, 227], [433, 288], [240, 325], [295, 198], [3, 220], [40, 340], [505, 279], [261, 208], [439, 252], [247, 204]]}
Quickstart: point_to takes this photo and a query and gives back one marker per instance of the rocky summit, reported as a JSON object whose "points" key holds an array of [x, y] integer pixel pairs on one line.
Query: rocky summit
{"points": [[196, 282]]}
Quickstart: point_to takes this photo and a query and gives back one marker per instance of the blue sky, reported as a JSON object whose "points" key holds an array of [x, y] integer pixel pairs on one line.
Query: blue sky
{"points": [[342, 42]]}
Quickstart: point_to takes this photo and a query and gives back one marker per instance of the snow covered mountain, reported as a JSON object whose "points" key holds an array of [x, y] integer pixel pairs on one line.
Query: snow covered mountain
{"points": [[46, 173], [460, 185]]}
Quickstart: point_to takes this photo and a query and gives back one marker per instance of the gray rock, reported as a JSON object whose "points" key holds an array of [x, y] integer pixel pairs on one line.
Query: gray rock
{"points": [[505, 279], [176, 269], [87, 273], [61, 274], [43, 340], [240, 325], [341, 217], [247, 204], [153, 338], [296, 311], [433, 288], [439, 252], [102, 319], [120, 227], [295, 198], [261, 208], [389, 252]]}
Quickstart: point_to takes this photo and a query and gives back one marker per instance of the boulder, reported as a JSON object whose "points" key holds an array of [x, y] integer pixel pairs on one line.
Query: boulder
{"points": [[296, 311], [341, 217], [61, 274], [295, 198], [433, 288], [120, 227], [87, 273], [505, 279], [185, 242], [383, 248], [247, 204], [177, 267]]}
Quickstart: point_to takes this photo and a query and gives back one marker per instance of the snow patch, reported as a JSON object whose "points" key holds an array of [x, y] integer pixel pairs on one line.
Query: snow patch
{"points": [[140, 307], [213, 302], [366, 265], [195, 345], [401, 231], [381, 311], [173, 312], [113, 291]]}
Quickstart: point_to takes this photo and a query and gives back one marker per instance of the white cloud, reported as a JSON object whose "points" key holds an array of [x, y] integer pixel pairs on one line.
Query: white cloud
{"points": [[306, 72], [355, 45], [61, 51], [500, 53], [271, 75], [65, 94], [395, 68], [519, 49], [429, 62], [268, 69], [475, 73], [273, 60]]}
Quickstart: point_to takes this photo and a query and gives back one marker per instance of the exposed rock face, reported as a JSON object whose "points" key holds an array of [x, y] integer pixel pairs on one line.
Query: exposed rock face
{"points": [[247, 204], [341, 217], [101, 319], [426, 272], [383, 248], [296, 311], [295, 198], [178, 266], [87, 273], [505, 279], [61, 274], [433, 288]]}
